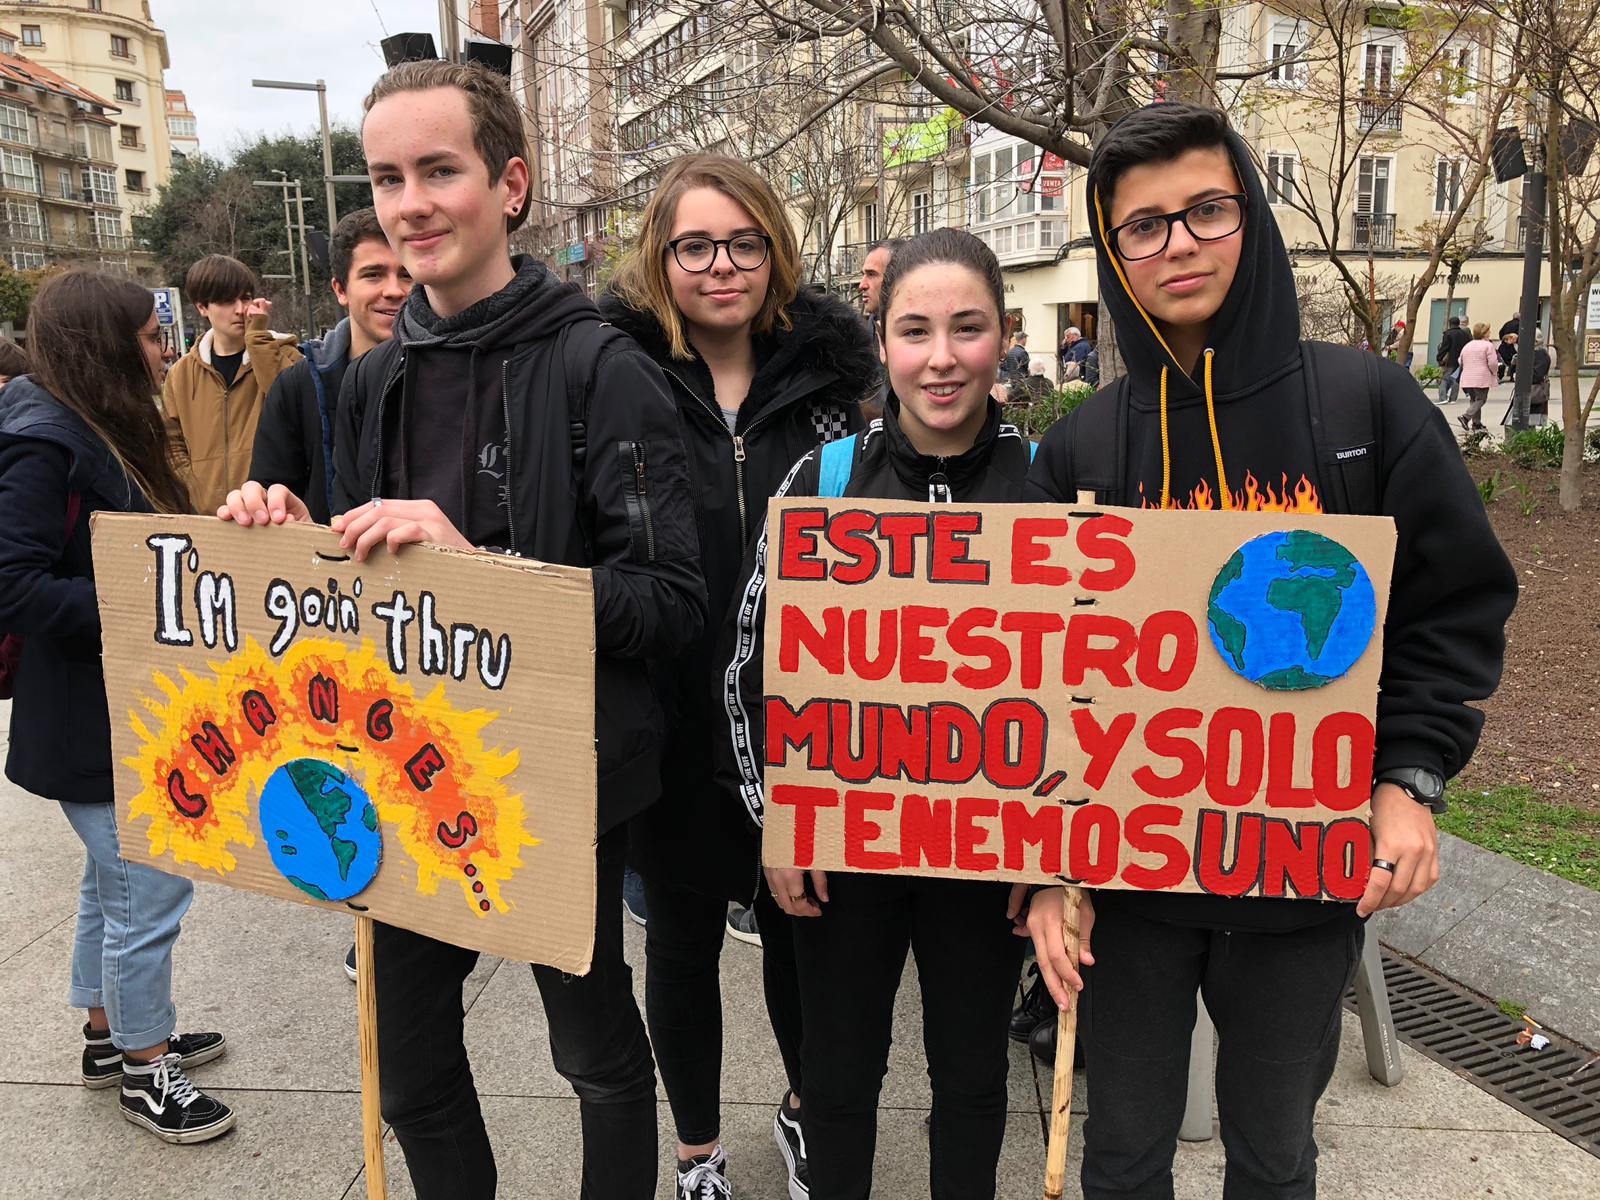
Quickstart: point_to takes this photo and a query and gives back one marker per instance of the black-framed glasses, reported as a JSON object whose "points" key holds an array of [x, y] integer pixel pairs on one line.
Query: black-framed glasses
{"points": [[1208, 221], [696, 254]]}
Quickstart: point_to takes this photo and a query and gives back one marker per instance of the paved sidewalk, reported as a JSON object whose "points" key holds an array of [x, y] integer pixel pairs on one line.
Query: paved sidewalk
{"points": [[271, 976]]}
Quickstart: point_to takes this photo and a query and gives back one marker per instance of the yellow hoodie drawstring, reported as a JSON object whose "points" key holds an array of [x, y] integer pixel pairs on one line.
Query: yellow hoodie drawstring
{"points": [[1216, 441]]}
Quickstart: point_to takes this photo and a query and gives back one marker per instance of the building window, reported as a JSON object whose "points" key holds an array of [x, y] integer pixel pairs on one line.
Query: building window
{"points": [[1447, 185], [14, 123], [18, 171], [124, 89], [32, 35], [23, 222], [1286, 43], [119, 47], [1280, 178], [129, 136], [64, 184], [95, 6], [101, 185], [921, 212], [980, 187], [869, 222], [1378, 73], [136, 181], [7, 46], [108, 231], [1457, 73], [1372, 185]]}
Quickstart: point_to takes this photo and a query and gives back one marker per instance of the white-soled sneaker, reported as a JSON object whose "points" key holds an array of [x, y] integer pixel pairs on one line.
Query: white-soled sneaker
{"points": [[158, 1096], [704, 1177], [787, 1127]]}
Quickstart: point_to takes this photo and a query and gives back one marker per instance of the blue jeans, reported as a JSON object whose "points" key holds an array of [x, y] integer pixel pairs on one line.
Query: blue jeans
{"points": [[128, 918], [1449, 385]]}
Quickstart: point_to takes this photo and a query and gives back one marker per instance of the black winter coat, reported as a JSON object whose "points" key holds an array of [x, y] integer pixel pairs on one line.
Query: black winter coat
{"points": [[294, 437], [886, 467], [809, 384], [60, 729], [626, 512]]}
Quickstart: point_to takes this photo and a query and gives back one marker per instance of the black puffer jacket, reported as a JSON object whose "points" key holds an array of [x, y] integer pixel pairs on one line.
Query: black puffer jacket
{"points": [[886, 466], [60, 729], [625, 511], [808, 388]]}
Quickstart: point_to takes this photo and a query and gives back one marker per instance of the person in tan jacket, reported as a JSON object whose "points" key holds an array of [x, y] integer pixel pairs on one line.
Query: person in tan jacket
{"points": [[214, 393]]}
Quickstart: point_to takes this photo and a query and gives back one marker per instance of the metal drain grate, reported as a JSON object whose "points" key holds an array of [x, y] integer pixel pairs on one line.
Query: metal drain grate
{"points": [[1477, 1041]]}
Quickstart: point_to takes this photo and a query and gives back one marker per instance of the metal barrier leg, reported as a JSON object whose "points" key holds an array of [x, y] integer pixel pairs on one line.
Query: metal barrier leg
{"points": [[1202, 1080], [1377, 1021]]}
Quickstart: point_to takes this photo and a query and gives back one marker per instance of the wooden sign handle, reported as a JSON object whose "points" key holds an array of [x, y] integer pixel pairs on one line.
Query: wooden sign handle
{"points": [[1055, 1163], [371, 1115]]}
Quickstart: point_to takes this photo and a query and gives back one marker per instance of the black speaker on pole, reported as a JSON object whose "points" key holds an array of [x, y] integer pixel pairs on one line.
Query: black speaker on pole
{"points": [[407, 47], [1506, 154], [494, 55]]}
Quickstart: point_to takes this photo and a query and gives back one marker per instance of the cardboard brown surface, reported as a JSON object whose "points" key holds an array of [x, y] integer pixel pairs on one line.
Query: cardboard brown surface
{"points": [[1041, 693], [431, 764]]}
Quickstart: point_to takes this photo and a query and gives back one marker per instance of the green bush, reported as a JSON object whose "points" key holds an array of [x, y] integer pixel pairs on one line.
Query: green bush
{"points": [[1541, 447], [1428, 374], [1036, 418], [1591, 445]]}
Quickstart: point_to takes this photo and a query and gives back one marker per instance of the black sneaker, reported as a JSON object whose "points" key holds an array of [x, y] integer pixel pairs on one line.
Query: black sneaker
{"points": [[787, 1128], [1036, 1006], [704, 1177], [633, 897], [159, 1096], [742, 925], [350, 963], [102, 1062]]}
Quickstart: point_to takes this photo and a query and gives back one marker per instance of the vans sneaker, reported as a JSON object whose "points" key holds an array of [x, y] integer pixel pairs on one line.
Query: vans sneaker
{"points": [[742, 924], [704, 1177], [102, 1062], [790, 1134], [159, 1096]]}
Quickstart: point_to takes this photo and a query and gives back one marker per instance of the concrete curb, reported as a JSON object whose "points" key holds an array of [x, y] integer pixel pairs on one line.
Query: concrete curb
{"points": [[1509, 931]]}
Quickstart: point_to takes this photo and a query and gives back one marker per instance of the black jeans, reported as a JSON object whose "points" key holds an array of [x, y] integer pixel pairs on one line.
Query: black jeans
{"points": [[683, 998], [597, 1043], [1275, 1000], [851, 959]]}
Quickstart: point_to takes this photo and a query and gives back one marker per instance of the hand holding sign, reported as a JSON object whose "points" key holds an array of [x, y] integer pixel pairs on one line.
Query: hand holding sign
{"points": [[254, 504]]}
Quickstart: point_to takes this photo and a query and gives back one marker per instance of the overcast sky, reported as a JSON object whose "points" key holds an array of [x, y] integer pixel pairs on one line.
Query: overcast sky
{"points": [[217, 49]]}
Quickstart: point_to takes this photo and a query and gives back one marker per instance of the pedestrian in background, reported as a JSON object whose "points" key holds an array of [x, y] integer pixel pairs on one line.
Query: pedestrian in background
{"points": [[1478, 363], [1448, 355], [763, 371], [1513, 330], [79, 435], [1540, 363]]}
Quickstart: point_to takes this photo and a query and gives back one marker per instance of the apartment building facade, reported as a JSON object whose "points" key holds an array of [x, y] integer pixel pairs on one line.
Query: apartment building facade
{"points": [[183, 127], [113, 49], [1373, 178], [59, 199]]}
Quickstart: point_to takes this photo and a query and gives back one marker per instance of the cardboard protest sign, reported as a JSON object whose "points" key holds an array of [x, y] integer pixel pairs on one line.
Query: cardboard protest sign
{"points": [[410, 738], [1173, 701]]}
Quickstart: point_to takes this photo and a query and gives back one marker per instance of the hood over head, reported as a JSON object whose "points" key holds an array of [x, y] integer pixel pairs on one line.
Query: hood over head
{"points": [[1256, 332], [535, 304]]}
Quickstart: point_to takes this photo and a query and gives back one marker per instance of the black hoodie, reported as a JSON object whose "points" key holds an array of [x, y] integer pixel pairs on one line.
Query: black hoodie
{"points": [[809, 382], [886, 466], [1453, 588], [416, 413]]}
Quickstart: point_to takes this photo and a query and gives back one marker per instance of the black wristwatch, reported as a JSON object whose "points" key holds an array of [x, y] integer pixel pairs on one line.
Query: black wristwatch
{"points": [[1422, 784]]}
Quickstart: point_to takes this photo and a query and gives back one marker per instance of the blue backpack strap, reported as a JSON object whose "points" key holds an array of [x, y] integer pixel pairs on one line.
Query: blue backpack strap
{"points": [[837, 459], [1033, 450]]}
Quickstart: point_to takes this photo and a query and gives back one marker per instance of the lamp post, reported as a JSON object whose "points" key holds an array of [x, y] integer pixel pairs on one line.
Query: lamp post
{"points": [[291, 190], [321, 89]]}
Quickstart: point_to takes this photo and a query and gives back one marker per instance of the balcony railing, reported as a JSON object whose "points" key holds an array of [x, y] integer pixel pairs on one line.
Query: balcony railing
{"points": [[1374, 231], [64, 240], [1379, 113], [69, 195]]}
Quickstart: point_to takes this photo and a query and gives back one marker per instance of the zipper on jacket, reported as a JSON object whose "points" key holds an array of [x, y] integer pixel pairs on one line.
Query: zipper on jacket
{"points": [[505, 409], [639, 490], [738, 483], [939, 484]]}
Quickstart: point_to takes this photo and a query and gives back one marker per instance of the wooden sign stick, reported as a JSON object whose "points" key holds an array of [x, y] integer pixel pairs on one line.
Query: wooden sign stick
{"points": [[371, 1116], [1055, 1163]]}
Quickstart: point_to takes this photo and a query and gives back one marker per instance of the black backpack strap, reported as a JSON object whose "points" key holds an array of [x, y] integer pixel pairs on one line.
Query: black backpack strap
{"points": [[1100, 443], [1343, 395], [579, 348]]}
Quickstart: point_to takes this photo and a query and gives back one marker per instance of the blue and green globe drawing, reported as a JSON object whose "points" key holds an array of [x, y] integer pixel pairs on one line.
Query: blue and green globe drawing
{"points": [[1292, 610], [321, 829]]}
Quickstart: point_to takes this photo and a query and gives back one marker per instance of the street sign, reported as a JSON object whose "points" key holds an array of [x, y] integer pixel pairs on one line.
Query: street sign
{"points": [[166, 306], [1593, 321]]}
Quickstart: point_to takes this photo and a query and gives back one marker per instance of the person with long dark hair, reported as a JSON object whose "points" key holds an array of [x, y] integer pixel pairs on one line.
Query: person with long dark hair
{"points": [[941, 440], [81, 433], [762, 370]]}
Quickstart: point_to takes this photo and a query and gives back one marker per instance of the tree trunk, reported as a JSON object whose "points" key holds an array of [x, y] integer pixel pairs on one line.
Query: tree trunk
{"points": [[1572, 425], [1194, 31]]}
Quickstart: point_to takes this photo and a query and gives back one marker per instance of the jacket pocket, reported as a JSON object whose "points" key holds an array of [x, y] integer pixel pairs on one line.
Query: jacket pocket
{"points": [[655, 490]]}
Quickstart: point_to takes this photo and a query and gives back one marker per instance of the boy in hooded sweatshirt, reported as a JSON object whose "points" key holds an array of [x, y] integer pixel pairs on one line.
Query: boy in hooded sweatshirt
{"points": [[1215, 413], [494, 362]]}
